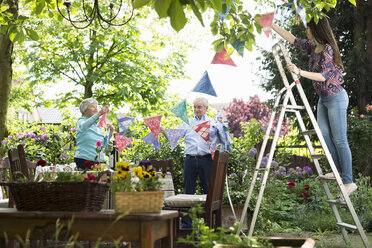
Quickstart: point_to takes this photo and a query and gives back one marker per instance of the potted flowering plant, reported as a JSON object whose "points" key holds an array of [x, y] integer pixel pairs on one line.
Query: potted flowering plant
{"points": [[137, 189], [58, 188]]}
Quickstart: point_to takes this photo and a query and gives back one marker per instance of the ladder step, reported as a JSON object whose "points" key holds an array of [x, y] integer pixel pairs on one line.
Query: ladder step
{"points": [[309, 132], [318, 156], [290, 107], [336, 202], [348, 226]]}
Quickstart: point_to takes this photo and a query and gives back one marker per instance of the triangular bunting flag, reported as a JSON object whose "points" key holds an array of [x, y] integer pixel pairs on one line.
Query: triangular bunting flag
{"points": [[214, 138], [205, 86], [203, 130], [266, 21], [103, 121], [180, 110], [122, 142], [150, 139], [223, 15], [239, 47], [223, 58], [174, 135], [301, 11], [153, 123], [124, 123]]}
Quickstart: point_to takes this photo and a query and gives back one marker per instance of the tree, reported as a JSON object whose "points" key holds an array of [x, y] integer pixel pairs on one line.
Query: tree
{"points": [[351, 31], [115, 66], [238, 27]]}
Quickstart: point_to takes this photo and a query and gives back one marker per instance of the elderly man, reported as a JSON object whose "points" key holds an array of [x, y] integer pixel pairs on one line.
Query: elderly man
{"points": [[198, 161]]}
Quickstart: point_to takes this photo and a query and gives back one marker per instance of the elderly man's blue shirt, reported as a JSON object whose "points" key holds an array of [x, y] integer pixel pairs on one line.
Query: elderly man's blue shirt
{"points": [[195, 144]]}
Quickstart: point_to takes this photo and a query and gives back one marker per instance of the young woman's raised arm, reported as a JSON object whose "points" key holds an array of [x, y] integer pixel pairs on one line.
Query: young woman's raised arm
{"points": [[284, 33]]}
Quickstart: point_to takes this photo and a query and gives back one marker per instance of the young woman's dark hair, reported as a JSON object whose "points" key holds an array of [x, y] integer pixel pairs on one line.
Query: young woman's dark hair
{"points": [[323, 34]]}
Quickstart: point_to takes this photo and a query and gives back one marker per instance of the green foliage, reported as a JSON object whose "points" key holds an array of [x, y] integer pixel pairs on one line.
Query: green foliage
{"points": [[239, 24], [204, 237], [118, 67], [360, 135], [55, 144]]}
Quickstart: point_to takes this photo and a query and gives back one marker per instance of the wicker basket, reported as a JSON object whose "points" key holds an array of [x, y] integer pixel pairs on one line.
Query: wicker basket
{"points": [[58, 196], [139, 202]]}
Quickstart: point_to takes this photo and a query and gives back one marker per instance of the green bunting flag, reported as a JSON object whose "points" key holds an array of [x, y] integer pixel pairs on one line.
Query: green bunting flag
{"points": [[180, 110]]}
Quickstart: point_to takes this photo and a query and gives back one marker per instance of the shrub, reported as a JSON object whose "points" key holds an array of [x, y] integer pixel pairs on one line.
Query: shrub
{"points": [[238, 111]]}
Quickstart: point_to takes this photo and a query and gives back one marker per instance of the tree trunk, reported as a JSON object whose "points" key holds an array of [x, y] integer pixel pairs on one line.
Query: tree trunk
{"points": [[362, 41], [6, 72], [6, 50]]}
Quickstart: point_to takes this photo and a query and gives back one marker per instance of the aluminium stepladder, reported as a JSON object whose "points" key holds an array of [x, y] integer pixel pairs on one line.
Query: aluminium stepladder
{"points": [[289, 105]]}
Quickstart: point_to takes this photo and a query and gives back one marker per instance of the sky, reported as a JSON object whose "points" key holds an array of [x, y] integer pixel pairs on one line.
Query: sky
{"points": [[229, 82]]}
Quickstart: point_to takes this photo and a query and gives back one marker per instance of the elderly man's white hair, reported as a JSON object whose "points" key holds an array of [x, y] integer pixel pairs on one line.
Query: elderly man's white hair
{"points": [[202, 100], [85, 103]]}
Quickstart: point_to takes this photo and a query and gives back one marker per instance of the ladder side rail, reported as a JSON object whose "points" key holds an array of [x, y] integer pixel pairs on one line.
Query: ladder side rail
{"points": [[271, 154], [325, 148], [259, 160]]}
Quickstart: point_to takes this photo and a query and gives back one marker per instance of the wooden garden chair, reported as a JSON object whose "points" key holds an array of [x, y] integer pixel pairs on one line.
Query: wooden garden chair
{"points": [[212, 202]]}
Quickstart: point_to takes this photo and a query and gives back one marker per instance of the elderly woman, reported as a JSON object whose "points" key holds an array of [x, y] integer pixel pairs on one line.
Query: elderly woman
{"points": [[88, 134]]}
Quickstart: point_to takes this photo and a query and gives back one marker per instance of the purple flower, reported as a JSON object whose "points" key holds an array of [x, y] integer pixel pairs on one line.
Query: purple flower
{"points": [[252, 151], [73, 130], [10, 137], [3, 142], [23, 143], [264, 161], [42, 128], [299, 174], [63, 156], [282, 169], [30, 135], [44, 137], [299, 169], [274, 164], [277, 173], [232, 183], [19, 135], [233, 175], [291, 169], [308, 170]]}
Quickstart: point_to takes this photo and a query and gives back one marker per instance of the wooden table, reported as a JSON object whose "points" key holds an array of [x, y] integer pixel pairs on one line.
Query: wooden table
{"points": [[106, 225]]}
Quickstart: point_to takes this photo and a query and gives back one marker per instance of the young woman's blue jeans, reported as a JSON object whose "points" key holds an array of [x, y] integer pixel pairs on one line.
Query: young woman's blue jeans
{"points": [[332, 120]]}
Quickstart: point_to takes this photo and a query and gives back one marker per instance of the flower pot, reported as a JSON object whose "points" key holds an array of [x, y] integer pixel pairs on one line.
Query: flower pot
{"points": [[139, 202]]}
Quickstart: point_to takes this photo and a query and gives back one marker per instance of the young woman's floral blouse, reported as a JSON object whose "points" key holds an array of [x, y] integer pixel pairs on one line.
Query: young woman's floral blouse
{"points": [[323, 63]]}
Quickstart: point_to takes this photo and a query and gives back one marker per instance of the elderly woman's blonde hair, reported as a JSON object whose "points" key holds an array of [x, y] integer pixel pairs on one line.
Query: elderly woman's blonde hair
{"points": [[85, 103]]}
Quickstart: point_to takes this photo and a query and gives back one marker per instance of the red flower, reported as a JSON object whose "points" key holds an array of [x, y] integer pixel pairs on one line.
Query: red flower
{"points": [[291, 184], [88, 164], [304, 195], [41, 162], [89, 177], [307, 187]]}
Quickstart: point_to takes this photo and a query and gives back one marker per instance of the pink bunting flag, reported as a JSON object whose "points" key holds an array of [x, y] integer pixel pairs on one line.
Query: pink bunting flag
{"points": [[103, 121], [203, 130], [122, 142], [266, 21], [223, 58], [154, 124]]}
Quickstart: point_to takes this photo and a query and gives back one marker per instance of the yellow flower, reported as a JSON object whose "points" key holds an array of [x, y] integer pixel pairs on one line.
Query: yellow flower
{"points": [[137, 170], [163, 175], [123, 166], [140, 189]]}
